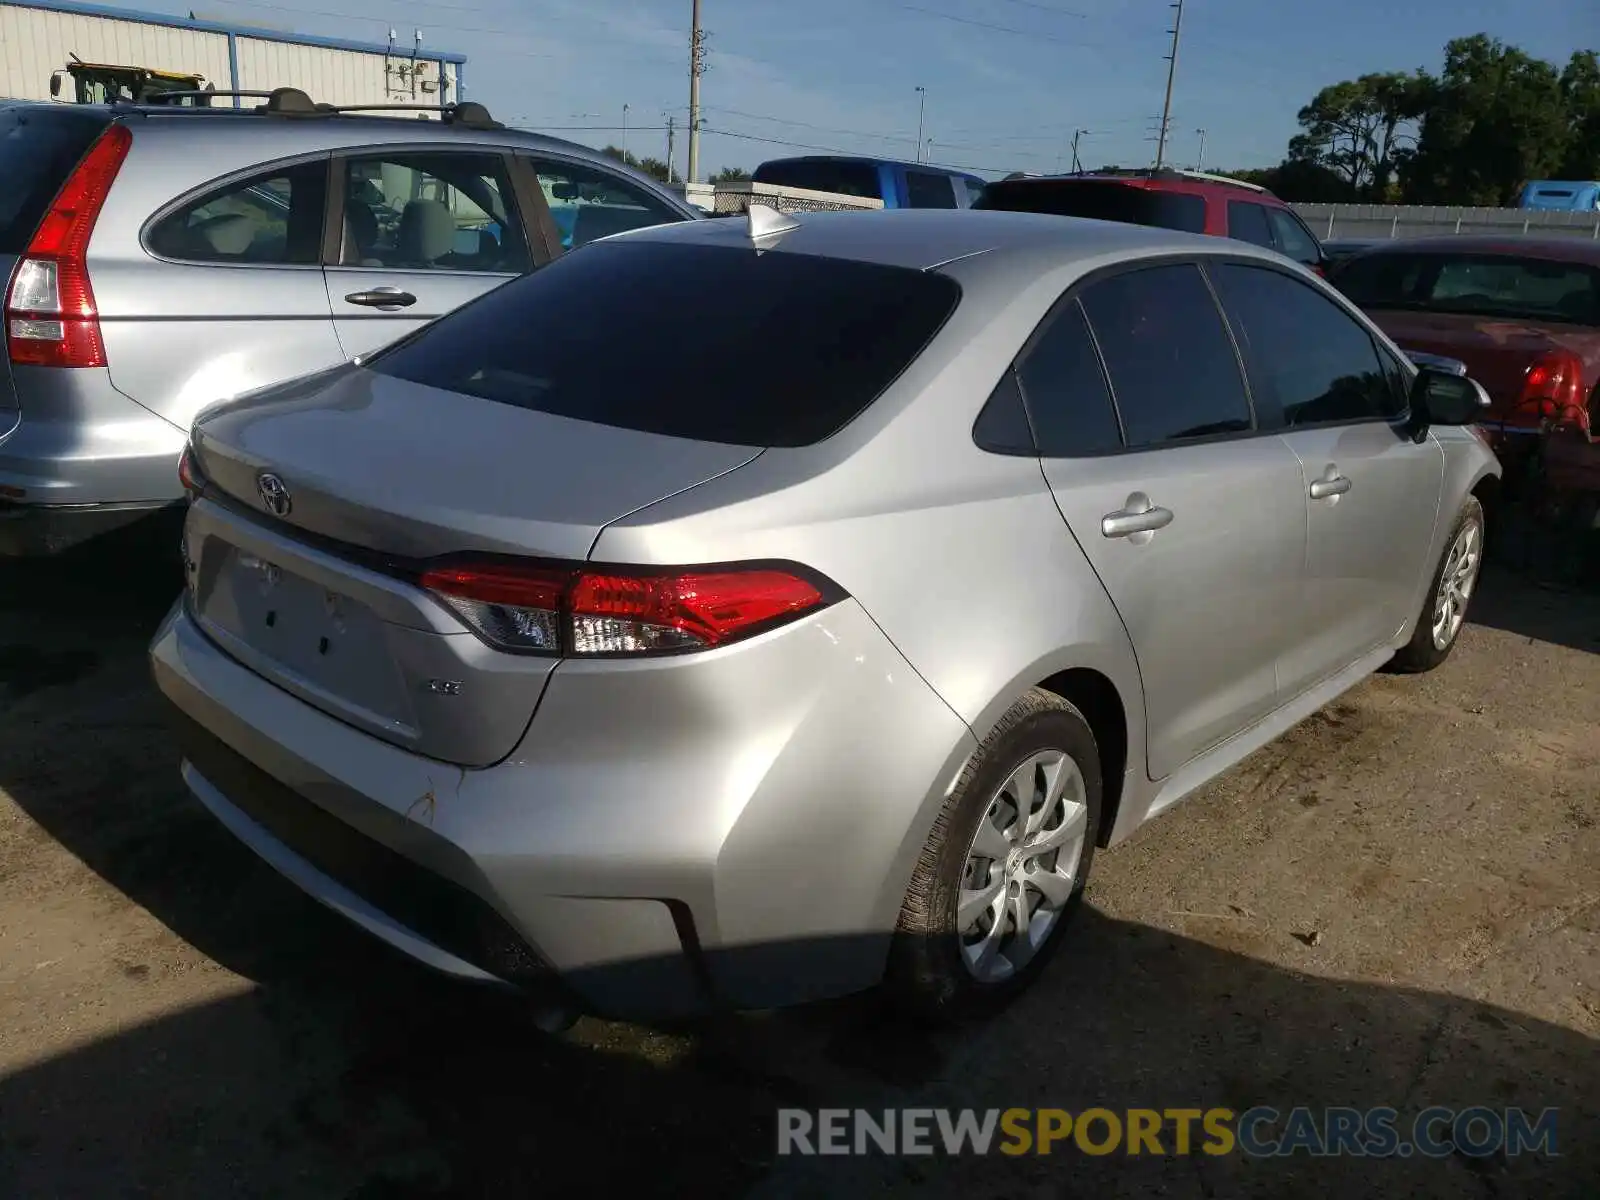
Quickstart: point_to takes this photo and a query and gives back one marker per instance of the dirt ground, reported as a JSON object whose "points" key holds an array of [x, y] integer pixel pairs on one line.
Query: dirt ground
{"points": [[1398, 904]]}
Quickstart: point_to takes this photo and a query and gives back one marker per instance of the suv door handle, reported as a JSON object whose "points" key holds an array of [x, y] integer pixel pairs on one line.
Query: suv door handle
{"points": [[1140, 516], [1328, 486], [382, 297]]}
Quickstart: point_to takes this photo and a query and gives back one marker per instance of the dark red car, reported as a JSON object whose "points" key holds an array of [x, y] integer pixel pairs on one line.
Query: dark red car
{"points": [[1522, 313], [1192, 201]]}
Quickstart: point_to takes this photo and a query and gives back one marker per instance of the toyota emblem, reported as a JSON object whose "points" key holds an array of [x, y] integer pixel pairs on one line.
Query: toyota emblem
{"points": [[273, 494]]}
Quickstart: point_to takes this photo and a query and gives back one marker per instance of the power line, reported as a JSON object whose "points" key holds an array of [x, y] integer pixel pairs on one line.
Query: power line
{"points": [[1027, 33], [750, 137], [1049, 8]]}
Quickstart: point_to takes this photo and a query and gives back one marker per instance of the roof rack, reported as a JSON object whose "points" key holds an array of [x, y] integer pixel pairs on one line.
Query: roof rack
{"points": [[292, 102]]}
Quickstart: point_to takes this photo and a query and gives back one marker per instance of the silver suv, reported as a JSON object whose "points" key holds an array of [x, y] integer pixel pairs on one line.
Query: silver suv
{"points": [[160, 259]]}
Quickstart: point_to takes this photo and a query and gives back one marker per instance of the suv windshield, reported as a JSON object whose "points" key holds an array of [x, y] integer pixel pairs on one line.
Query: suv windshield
{"points": [[1486, 285], [39, 146], [1102, 200], [779, 350]]}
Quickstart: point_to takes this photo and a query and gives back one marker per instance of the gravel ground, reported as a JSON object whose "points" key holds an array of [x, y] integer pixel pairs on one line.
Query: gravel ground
{"points": [[1398, 904]]}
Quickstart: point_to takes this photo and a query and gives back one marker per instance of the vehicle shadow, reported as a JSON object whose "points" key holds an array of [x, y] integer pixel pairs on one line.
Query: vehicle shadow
{"points": [[356, 1077], [1539, 609]]}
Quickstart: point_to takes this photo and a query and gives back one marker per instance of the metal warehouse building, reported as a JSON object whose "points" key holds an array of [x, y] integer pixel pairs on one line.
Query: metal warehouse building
{"points": [[41, 36]]}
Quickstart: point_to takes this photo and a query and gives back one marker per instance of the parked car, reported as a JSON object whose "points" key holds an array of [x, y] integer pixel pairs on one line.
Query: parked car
{"points": [[1561, 195], [742, 670], [898, 184], [1192, 201], [159, 259], [1522, 313], [1336, 250]]}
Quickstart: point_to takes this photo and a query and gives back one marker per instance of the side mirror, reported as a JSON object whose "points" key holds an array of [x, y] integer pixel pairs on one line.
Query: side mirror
{"points": [[564, 191], [1443, 397]]}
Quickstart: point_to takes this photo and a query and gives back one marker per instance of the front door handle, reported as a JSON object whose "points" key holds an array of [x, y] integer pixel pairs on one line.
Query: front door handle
{"points": [[382, 297], [1328, 486], [1137, 516]]}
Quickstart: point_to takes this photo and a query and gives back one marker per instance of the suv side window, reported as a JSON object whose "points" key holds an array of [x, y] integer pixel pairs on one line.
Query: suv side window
{"points": [[1064, 389], [587, 204], [431, 211], [1247, 221], [1294, 239], [925, 189], [272, 219], [1309, 361], [1174, 373]]}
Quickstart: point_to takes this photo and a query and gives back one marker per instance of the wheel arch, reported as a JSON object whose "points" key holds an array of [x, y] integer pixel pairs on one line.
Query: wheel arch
{"points": [[1097, 698]]}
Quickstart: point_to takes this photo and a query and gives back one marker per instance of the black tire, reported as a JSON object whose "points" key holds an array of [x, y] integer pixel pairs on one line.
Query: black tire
{"points": [[928, 975], [1421, 653]]}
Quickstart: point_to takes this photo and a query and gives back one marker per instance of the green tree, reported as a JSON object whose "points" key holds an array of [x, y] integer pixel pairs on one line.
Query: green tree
{"points": [[1363, 130], [1580, 90], [1497, 118], [731, 175], [1300, 181], [652, 167]]}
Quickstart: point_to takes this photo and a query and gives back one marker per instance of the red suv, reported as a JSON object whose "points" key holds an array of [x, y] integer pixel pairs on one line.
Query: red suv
{"points": [[1188, 200]]}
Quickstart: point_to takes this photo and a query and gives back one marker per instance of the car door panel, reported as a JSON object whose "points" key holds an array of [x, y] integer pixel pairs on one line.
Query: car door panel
{"points": [[433, 229], [1371, 492], [1199, 543]]}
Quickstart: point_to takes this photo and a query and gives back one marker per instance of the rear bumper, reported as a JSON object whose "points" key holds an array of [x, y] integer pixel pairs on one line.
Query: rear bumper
{"points": [[37, 530], [733, 829]]}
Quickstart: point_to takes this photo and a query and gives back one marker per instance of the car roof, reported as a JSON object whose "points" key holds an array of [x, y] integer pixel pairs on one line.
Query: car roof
{"points": [[869, 158], [1165, 180], [1555, 249], [923, 239]]}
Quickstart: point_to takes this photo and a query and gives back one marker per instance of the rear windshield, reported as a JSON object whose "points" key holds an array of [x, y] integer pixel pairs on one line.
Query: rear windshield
{"points": [[1098, 200], [38, 148], [823, 175], [1483, 285], [714, 343]]}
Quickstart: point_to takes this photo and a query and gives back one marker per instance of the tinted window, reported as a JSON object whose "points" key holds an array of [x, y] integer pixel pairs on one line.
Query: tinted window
{"points": [[1248, 223], [1308, 359], [587, 203], [1002, 427], [607, 336], [927, 190], [38, 149], [1099, 200], [842, 177], [1488, 285], [270, 219], [1173, 369], [432, 212], [1294, 240], [1066, 392]]}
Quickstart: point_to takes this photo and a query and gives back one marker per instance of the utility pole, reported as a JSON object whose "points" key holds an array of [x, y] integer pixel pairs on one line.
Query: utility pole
{"points": [[1172, 71], [697, 68], [1076, 134], [1200, 160], [922, 108], [671, 135]]}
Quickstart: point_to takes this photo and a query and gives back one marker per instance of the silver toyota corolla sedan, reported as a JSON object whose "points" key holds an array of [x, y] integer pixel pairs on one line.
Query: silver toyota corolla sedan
{"points": [[745, 612]]}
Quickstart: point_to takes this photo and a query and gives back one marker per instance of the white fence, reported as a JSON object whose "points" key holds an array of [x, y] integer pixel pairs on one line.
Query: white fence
{"points": [[1401, 220]]}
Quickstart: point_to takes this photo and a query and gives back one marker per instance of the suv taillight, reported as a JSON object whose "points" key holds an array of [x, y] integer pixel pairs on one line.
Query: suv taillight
{"points": [[587, 610], [51, 319], [1552, 387]]}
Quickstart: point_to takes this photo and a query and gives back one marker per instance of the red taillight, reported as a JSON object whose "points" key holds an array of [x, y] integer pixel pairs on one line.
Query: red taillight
{"points": [[51, 319], [1552, 387], [546, 609], [189, 474]]}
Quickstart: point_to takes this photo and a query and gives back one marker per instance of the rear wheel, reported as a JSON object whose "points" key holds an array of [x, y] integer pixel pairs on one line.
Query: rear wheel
{"points": [[1004, 867], [1444, 612]]}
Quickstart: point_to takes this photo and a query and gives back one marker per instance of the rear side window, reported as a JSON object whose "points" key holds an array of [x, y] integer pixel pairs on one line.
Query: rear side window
{"points": [[1247, 221], [843, 178], [272, 219], [1098, 200], [1294, 239], [1173, 369], [604, 334], [1308, 358], [38, 149], [1065, 389], [925, 189]]}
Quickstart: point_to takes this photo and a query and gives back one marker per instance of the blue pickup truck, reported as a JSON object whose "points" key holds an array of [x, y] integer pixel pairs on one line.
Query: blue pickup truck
{"points": [[897, 184], [1562, 195]]}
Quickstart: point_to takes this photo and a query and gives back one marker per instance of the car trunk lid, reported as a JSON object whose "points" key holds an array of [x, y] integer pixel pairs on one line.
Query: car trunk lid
{"points": [[310, 580]]}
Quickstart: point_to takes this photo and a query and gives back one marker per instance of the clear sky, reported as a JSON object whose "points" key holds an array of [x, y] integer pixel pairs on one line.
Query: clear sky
{"points": [[1007, 81]]}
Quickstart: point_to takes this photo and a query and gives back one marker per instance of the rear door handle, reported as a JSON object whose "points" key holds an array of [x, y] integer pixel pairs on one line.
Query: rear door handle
{"points": [[1135, 518], [1329, 486], [382, 297]]}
